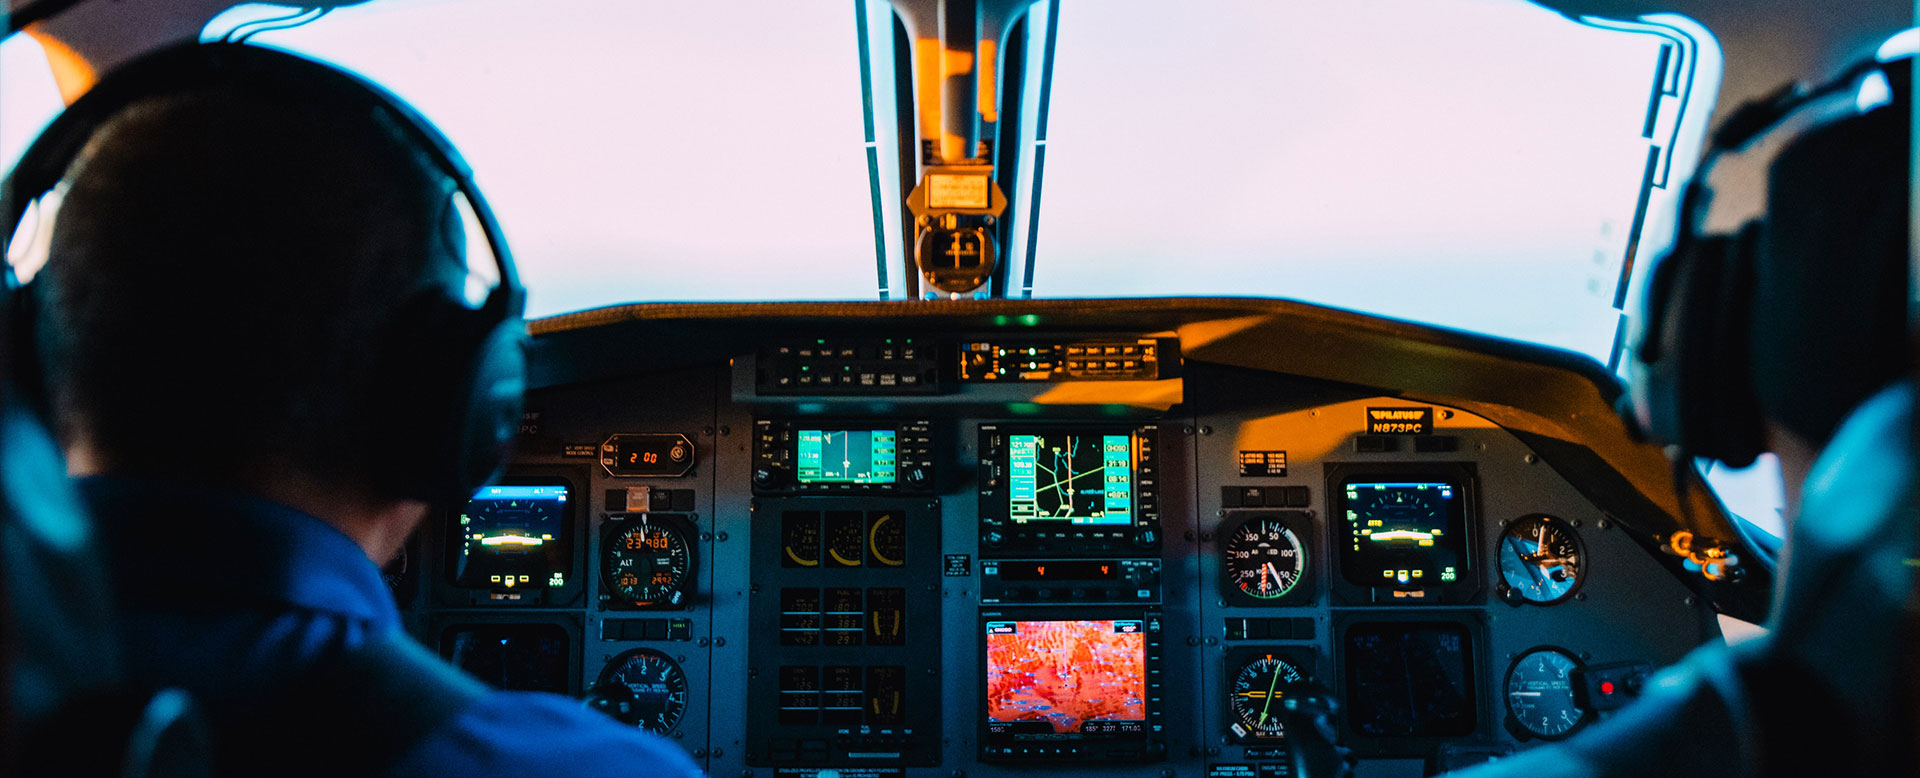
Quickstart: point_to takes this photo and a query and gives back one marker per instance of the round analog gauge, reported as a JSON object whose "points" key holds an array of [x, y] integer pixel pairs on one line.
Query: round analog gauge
{"points": [[1541, 559], [647, 563], [846, 538], [1258, 686], [1264, 558], [658, 686], [1540, 694], [887, 540]]}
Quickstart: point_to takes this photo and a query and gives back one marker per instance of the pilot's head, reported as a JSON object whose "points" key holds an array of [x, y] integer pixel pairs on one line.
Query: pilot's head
{"points": [[1765, 337], [1831, 282], [224, 268]]}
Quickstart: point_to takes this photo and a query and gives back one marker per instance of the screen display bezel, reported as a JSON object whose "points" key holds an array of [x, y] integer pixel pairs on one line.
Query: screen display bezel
{"points": [[557, 551], [1464, 589], [1473, 628], [446, 533], [1152, 650], [442, 626], [1089, 539]]}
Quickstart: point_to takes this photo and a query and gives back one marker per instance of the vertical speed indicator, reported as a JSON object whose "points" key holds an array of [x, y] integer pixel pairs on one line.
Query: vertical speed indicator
{"points": [[655, 686], [1540, 695]]}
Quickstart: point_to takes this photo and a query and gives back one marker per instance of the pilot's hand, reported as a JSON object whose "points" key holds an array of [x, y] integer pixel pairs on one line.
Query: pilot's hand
{"points": [[1310, 716]]}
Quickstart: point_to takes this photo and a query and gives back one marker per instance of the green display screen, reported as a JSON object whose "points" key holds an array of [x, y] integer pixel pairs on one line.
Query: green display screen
{"points": [[846, 457]]}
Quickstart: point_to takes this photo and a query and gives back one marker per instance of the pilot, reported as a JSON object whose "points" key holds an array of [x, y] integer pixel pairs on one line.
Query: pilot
{"points": [[1814, 296], [230, 314]]}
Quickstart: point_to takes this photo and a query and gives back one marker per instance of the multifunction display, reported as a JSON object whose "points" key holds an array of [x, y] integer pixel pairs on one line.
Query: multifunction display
{"points": [[1069, 477], [843, 457], [1410, 679], [837, 456], [1068, 489], [512, 657], [1071, 688]]}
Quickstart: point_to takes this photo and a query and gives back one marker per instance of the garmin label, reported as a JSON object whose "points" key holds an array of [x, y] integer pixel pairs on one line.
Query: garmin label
{"points": [[1399, 421]]}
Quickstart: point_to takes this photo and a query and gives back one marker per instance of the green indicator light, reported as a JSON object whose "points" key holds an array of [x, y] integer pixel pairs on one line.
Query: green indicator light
{"points": [[1030, 320]]}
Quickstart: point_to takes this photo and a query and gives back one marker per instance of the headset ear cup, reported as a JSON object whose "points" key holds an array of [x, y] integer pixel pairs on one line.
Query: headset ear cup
{"points": [[452, 398], [1701, 379], [1728, 400], [1655, 367], [497, 382], [25, 372]]}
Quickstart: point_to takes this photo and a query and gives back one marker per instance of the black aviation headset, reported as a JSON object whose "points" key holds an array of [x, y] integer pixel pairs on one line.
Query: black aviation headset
{"points": [[460, 371], [1698, 384]]}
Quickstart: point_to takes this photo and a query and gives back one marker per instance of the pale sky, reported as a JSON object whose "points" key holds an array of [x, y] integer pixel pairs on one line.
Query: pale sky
{"points": [[1469, 163]]}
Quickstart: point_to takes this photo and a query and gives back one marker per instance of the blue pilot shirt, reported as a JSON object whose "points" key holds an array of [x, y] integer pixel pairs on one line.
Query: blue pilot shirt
{"points": [[229, 596]]}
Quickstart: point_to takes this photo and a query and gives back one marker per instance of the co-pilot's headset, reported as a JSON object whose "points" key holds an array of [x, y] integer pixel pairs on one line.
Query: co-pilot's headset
{"points": [[1693, 383], [459, 371]]}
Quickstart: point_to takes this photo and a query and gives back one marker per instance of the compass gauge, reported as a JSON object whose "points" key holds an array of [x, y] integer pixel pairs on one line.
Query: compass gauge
{"points": [[1259, 685]]}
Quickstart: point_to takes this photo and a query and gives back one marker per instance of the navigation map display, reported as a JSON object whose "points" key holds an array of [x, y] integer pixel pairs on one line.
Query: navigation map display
{"points": [[846, 456], [1403, 532], [1066, 679], [1070, 477]]}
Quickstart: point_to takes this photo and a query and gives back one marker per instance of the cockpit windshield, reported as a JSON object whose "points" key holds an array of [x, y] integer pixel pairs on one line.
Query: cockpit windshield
{"points": [[1476, 164]]}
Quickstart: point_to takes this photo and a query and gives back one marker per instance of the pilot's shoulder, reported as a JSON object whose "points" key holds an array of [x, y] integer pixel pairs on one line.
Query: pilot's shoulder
{"points": [[529, 733]]}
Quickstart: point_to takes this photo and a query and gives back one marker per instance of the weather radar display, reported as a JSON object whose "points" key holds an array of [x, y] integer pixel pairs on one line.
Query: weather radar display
{"points": [[1052, 679], [1075, 478]]}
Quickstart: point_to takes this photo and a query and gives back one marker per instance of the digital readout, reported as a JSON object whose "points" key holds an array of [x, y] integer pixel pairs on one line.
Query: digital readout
{"points": [[1059, 569], [649, 454], [1070, 477], [846, 456]]}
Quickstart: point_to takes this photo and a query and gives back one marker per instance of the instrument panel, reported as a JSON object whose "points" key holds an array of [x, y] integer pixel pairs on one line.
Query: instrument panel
{"points": [[993, 566]]}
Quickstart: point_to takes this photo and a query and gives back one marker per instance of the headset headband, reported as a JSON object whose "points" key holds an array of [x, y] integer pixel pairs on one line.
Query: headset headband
{"points": [[194, 66]]}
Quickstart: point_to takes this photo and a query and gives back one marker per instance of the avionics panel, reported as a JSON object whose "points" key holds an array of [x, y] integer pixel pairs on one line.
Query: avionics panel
{"points": [[1077, 581], [1071, 685], [1100, 359], [855, 457], [844, 613], [1403, 533], [1079, 490]]}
